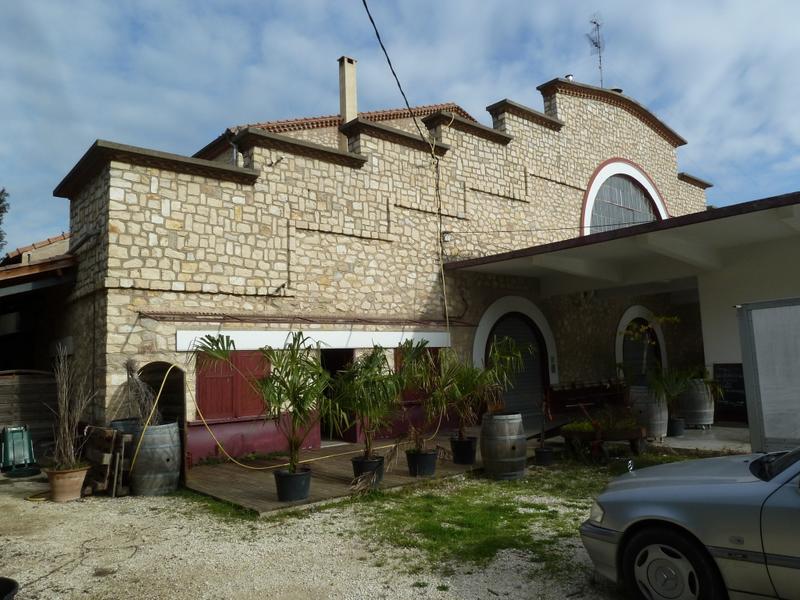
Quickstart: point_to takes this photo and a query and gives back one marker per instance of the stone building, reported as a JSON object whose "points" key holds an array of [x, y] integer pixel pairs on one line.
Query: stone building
{"points": [[354, 229]]}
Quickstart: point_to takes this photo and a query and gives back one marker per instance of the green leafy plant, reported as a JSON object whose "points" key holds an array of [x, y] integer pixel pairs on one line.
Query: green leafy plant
{"points": [[293, 392], [448, 381], [475, 388], [607, 419], [505, 361], [668, 384], [417, 369], [369, 390]]}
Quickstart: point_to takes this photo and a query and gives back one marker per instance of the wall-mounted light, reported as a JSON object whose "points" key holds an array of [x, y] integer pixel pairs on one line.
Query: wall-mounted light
{"points": [[447, 236]]}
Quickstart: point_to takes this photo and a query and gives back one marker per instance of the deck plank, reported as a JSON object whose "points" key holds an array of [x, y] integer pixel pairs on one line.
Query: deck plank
{"points": [[331, 476]]}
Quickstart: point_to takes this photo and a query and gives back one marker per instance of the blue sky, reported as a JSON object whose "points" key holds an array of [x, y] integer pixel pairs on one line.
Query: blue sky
{"points": [[172, 75]]}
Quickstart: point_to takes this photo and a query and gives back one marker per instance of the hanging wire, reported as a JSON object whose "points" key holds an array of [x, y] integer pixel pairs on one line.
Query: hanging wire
{"points": [[600, 228], [394, 73], [436, 164]]}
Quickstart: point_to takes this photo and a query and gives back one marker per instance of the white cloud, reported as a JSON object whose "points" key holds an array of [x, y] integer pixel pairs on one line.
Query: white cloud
{"points": [[172, 75]]}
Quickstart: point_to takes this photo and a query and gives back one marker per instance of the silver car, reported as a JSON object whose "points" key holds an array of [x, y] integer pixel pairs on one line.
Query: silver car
{"points": [[702, 529]]}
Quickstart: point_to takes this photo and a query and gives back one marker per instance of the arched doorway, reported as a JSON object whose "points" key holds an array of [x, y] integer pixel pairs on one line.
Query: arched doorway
{"points": [[639, 344], [172, 404], [525, 396]]}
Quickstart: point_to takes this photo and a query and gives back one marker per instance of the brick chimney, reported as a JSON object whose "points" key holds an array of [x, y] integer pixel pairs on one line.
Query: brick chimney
{"points": [[348, 101]]}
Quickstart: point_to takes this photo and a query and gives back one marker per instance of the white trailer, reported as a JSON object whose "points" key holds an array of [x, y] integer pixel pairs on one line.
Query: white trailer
{"points": [[770, 335]]}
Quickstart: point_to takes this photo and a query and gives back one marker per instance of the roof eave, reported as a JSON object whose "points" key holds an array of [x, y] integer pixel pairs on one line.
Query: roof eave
{"points": [[103, 152], [609, 96], [733, 210]]}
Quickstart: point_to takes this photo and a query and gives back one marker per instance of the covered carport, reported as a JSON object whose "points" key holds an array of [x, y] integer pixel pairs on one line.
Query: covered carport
{"points": [[32, 300], [719, 258]]}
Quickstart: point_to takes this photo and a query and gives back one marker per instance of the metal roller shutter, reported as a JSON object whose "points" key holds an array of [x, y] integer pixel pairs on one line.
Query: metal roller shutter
{"points": [[526, 395]]}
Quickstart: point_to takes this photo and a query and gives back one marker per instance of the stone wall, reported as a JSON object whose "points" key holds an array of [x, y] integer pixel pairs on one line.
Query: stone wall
{"points": [[315, 237], [180, 232]]}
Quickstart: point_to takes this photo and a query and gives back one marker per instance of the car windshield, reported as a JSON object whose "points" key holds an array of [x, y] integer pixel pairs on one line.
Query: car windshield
{"points": [[771, 465]]}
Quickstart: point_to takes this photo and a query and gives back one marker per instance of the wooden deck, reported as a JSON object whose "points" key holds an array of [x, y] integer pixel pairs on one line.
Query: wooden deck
{"points": [[331, 476]]}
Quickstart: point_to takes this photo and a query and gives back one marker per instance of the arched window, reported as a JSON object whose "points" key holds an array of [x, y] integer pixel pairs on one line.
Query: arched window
{"points": [[621, 202], [620, 194]]}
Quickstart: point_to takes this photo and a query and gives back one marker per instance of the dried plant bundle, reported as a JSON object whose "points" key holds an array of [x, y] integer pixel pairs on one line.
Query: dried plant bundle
{"points": [[141, 396], [73, 398]]}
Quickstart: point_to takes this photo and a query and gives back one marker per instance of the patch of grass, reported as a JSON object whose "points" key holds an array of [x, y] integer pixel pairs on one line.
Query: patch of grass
{"points": [[225, 511], [442, 587], [467, 522], [420, 584], [470, 524]]}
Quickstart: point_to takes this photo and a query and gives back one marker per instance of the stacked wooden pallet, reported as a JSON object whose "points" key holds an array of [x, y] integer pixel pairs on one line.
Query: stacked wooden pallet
{"points": [[109, 452]]}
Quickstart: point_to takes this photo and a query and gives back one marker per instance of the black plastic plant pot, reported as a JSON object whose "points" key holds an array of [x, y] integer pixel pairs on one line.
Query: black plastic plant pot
{"points": [[8, 588], [544, 456], [464, 450], [293, 486], [676, 426], [373, 464], [421, 464]]}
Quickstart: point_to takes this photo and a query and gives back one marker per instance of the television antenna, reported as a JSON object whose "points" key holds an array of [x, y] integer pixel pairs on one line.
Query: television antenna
{"points": [[597, 43]]}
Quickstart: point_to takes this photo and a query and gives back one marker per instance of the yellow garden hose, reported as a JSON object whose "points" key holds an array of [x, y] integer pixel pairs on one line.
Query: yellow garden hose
{"points": [[225, 452]]}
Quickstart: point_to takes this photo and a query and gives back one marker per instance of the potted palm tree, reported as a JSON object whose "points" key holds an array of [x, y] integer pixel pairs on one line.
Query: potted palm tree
{"points": [[368, 391], [68, 472], [420, 370], [471, 386], [294, 398], [472, 389]]}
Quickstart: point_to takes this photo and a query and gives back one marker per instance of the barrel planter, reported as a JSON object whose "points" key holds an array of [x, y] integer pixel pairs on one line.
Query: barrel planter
{"points": [[696, 405], [651, 412], [126, 425], [158, 464], [503, 446]]}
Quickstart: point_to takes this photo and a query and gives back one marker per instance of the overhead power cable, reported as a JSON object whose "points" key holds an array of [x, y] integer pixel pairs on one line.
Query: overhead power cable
{"points": [[435, 159], [391, 68]]}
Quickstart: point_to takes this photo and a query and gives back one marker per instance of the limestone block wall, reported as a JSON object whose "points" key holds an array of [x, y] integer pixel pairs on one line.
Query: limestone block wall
{"points": [[315, 237], [180, 232], [84, 321], [595, 131], [89, 241]]}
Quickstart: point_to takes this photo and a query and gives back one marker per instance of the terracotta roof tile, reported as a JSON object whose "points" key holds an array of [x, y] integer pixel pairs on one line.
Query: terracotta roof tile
{"points": [[334, 120], [37, 245]]}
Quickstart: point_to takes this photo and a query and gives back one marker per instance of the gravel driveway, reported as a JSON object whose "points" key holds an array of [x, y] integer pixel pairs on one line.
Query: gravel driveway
{"points": [[173, 548]]}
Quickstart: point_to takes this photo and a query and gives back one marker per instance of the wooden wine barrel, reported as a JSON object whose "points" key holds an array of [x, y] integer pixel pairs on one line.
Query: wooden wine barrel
{"points": [[696, 404], [158, 465], [503, 446], [651, 413]]}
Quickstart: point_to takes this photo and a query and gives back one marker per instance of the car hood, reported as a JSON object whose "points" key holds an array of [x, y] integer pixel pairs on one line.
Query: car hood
{"points": [[708, 471]]}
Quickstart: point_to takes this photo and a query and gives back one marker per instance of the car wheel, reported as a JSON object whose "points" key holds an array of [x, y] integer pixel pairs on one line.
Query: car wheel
{"points": [[662, 564]]}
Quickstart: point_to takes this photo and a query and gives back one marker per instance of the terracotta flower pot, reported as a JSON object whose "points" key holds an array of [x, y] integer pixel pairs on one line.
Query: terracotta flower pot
{"points": [[66, 485]]}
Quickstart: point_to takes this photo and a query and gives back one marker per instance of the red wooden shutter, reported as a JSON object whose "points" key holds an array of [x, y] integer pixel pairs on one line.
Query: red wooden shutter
{"points": [[215, 390], [252, 365]]}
